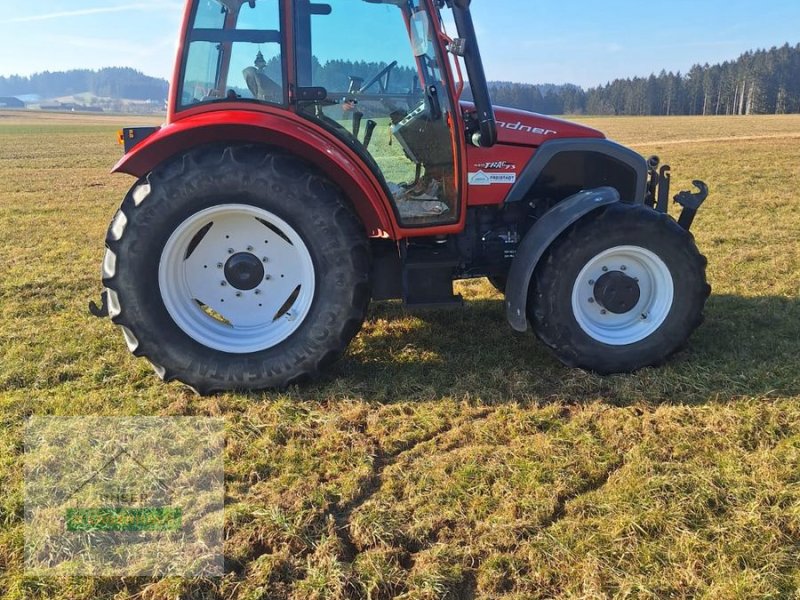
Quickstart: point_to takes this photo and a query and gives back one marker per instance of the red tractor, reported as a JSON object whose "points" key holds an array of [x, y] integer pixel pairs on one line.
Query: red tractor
{"points": [[318, 155]]}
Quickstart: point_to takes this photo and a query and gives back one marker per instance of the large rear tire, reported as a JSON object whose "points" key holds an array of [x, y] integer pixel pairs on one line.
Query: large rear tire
{"points": [[237, 268], [623, 289]]}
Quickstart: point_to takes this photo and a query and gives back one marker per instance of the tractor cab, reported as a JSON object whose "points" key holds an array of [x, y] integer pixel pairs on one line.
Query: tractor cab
{"points": [[372, 72]]}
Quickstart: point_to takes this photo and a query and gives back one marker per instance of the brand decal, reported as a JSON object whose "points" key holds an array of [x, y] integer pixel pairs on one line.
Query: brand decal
{"points": [[500, 165], [483, 178], [518, 126]]}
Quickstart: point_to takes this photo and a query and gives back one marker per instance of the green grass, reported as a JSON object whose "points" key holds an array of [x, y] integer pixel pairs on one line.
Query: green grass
{"points": [[447, 456]]}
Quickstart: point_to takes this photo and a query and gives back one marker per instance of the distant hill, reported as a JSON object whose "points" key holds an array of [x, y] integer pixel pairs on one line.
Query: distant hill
{"points": [[114, 82]]}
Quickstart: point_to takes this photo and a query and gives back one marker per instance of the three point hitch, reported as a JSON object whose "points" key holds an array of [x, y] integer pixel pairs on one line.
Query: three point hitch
{"points": [[658, 193]]}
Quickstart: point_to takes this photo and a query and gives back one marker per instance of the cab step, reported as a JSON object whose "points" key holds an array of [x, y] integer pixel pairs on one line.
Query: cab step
{"points": [[428, 279]]}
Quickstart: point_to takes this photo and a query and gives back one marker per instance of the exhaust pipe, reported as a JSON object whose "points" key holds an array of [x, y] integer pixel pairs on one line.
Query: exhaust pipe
{"points": [[476, 73]]}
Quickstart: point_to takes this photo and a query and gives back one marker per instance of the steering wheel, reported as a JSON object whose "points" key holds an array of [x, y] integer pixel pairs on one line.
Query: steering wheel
{"points": [[384, 72]]}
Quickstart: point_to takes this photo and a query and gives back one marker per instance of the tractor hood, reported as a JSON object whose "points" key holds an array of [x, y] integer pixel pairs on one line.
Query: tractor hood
{"points": [[530, 129]]}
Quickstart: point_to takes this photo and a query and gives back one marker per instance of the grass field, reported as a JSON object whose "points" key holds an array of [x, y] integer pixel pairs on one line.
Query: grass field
{"points": [[447, 456]]}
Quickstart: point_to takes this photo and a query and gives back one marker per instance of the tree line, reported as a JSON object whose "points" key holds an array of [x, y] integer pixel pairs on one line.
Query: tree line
{"points": [[758, 82], [334, 75], [112, 82]]}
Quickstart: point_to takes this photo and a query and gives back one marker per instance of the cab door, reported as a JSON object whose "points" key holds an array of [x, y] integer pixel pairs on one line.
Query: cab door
{"points": [[370, 73]]}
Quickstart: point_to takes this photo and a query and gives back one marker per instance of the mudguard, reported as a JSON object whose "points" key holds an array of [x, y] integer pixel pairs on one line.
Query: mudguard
{"points": [[538, 240], [298, 136]]}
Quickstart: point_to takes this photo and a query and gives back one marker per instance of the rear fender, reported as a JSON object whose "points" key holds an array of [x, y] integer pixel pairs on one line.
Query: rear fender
{"points": [[540, 237], [329, 155]]}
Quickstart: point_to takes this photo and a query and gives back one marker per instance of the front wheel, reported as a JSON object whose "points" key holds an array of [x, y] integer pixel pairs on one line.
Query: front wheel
{"points": [[237, 268], [623, 289]]}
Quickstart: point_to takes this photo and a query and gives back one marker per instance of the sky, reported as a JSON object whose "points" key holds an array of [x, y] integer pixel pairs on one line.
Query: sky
{"points": [[587, 42]]}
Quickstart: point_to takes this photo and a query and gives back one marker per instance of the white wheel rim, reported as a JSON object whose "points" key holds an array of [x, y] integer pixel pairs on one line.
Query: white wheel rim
{"points": [[655, 301], [240, 320]]}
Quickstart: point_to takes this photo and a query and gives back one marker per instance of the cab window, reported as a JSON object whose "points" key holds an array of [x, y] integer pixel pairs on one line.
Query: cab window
{"points": [[233, 52]]}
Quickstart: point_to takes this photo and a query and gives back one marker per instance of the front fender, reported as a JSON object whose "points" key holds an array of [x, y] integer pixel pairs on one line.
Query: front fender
{"points": [[331, 156], [629, 177], [538, 240]]}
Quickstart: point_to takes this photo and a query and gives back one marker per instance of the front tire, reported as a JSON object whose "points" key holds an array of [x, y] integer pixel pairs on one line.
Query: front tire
{"points": [[237, 268], [623, 289]]}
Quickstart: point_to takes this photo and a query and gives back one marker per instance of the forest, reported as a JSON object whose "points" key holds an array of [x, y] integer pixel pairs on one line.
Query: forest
{"points": [[758, 82]]}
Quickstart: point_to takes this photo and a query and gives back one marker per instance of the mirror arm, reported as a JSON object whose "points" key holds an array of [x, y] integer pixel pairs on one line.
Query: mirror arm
{"points": [[476, 73]]}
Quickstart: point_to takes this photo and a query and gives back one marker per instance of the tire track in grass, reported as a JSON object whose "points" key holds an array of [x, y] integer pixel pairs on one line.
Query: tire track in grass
{"points": [[383, 460], [467, 588], [470, 584], [591, 485]]}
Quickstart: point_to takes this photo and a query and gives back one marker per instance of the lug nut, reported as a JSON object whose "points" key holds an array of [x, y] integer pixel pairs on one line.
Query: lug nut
{"points": [[605, 269], [603, 312], [220, 265], [591, 300], [238, 294], [267, 277], [249, 248], [258, 292], [591, 282], [623, 268], [265, 259], [231, 250], [223, 283]]}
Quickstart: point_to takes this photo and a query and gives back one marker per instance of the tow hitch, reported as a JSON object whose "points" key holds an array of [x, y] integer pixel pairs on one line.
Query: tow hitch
{"points": [[658, 194]]}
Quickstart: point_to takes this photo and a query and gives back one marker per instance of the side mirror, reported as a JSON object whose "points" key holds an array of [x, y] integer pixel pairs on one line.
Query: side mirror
{"points": [[420, 33]]}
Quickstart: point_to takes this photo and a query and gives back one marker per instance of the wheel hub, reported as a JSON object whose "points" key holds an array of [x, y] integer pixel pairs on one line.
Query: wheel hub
{"points": [[617, 293], [622, 295], [244, 271], [237, 307]]}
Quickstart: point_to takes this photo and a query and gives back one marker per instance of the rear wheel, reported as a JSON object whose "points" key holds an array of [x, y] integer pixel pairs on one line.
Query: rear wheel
{"points": [[621, 290], [237, 268]]}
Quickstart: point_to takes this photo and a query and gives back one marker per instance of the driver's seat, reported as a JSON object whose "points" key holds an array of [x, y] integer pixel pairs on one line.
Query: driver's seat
{"points": [[261, 86]]}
